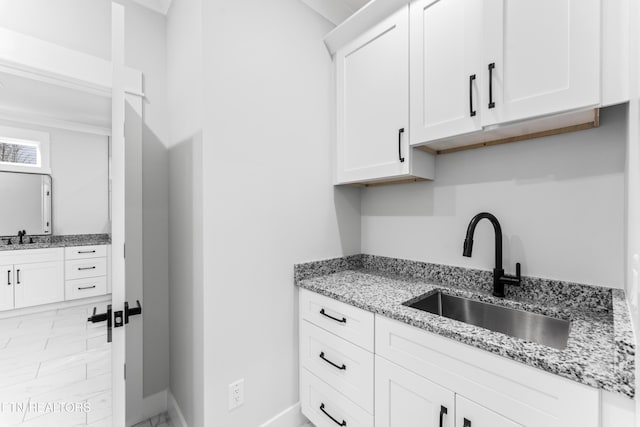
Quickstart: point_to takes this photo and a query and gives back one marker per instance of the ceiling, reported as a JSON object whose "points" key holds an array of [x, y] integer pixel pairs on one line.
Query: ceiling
{"points": [[29, 99], [160, 6], [336, 11]]}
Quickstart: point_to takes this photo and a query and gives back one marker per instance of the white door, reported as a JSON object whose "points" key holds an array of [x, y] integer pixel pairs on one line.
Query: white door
{"points": [[404, 399], [372, 80], [540, 57], [469, 414], [6, 287], [38, 283], [445, 70]]}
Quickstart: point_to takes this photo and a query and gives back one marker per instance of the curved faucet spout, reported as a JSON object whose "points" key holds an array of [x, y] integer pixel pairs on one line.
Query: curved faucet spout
{"points": [[468, 241]]}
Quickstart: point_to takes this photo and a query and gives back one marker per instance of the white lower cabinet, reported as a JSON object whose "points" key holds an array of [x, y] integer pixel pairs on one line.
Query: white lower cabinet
{"points": [[404, 399], [38, 283], [6, 287], [469, 414]]}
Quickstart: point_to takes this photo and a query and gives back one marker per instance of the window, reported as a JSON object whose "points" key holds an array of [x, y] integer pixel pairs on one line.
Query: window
{"points": [[24, 150], [19, 152]]}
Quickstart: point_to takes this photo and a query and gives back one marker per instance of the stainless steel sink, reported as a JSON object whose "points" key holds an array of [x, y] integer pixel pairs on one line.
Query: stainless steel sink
{"points": [[534, 327]]}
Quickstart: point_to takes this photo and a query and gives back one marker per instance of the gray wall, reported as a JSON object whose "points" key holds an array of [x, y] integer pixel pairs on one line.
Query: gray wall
{"points": [[560, 201]]}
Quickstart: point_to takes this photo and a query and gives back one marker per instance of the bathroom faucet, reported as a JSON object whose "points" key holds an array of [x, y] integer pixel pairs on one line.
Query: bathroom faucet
{"points": [[499, 278], [21, 234]]}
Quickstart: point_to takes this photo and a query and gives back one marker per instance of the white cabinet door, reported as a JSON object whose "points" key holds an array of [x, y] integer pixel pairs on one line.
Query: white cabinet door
{"points": [[404, 399], [546, 57], [372, 105], [469, 414], [446, 58], [6, 287], [38, 283]]}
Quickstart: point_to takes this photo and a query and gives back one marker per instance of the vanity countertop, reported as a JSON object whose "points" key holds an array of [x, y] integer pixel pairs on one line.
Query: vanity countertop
{"points": [[600, 351], [57, 241]]}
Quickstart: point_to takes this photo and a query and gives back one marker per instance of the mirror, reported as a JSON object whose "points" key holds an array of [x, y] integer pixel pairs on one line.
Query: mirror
{"points": [[25, 203]]}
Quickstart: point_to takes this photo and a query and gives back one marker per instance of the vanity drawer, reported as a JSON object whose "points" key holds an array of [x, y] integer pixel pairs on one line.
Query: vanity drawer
{"points": [[84, 288], [351, 323], [326, 407], [81, 252], [82, 268], [342, 365]]}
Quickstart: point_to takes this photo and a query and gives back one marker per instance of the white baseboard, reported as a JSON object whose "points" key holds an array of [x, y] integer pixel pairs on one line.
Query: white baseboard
{"points": [[154, 405], [174, 412], [290, 417]]}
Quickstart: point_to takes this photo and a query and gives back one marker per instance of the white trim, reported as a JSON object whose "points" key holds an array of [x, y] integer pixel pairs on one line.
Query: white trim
{"points": [[290, 417], [36, 120], [153, 405], [55, 306], [177, 419]]}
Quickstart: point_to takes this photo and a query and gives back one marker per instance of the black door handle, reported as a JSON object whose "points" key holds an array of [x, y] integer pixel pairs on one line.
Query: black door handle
{"points": [[8, 277], [443, 411], [472, 77], [343, 367], [491, 67], [466, 423], [343, 423], [18, 276], [343, 320], [96, 318], [400, 132], [131, 311]]}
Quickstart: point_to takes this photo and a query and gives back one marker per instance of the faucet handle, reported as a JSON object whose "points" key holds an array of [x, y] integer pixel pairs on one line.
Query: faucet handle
{"points": [[518, 271]]}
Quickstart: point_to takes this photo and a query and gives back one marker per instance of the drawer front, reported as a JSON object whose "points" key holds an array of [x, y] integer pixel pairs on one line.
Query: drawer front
{"points": [[524, 394], [84, 288], [351, 323], [342, 365], [81, 252], [325, 407], [27, 256], [83, 268]]}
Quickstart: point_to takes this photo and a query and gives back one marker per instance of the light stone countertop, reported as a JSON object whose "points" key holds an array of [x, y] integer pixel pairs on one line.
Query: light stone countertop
{"points": [[55, 241], [600, 350]]}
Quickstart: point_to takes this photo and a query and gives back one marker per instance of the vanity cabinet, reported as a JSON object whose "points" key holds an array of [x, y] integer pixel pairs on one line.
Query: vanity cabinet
{"points": [[404, 399], [6, 287], [372, 107], [479, 64], [38, 283], [469, 414], [85, 271]]}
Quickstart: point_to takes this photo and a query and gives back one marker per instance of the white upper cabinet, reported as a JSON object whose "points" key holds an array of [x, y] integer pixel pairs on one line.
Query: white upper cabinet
{"points": [[545, 56], [372, 105], [446, 57]]}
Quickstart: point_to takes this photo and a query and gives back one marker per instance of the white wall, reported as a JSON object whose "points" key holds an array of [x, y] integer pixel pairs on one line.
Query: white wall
{"points": [[268, 199], [184, 71], [560, 201]]}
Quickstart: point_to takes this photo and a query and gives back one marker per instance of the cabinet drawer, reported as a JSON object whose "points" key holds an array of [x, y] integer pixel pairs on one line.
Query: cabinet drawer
{"points": [[83, 268], [351, 323], [83, 288], [325, 407], [81, 252], [342, 365]]}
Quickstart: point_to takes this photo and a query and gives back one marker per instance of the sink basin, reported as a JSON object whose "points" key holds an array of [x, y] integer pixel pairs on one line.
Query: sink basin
{"points": [[528, 326]]}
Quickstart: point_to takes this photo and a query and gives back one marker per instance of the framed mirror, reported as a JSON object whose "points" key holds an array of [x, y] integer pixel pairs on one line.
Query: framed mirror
{"points": [[25, 203]]}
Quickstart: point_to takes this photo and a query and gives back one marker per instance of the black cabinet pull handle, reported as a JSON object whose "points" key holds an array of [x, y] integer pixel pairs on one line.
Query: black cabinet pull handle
{"points": [[472, 77], [8, 277], [400, 132], [343, 423], [86, 252], [466, 423], [443, 411], [86, 287], [343, 320], [87, 268], [18, 278], [491, 67], [343, 367]]}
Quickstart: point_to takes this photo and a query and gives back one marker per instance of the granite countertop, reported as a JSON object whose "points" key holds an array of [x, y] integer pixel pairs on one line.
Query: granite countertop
{"points": [[600, 351], [56, 241]]}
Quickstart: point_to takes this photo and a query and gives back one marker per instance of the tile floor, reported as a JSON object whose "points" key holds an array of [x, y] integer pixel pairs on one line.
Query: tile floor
{"points": [[161, 420], [55, 370]]}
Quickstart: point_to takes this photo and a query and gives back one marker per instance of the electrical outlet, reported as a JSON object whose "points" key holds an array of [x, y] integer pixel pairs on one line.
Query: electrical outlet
{"points": [[236, 394]]}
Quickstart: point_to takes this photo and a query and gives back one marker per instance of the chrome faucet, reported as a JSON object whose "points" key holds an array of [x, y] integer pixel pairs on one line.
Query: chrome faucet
{"points": [[499, 278]]}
